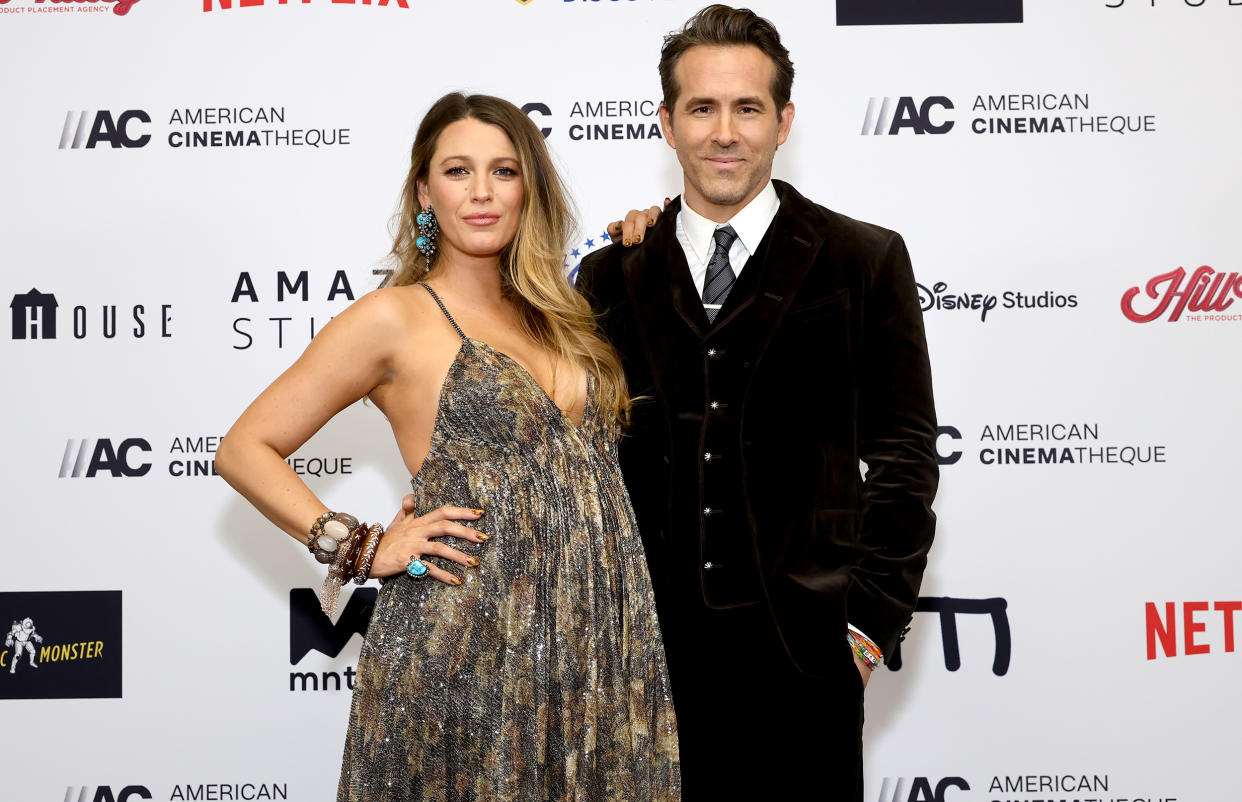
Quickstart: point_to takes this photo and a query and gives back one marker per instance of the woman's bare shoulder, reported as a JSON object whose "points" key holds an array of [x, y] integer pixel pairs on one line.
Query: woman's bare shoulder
{"points": [[391, 311]]}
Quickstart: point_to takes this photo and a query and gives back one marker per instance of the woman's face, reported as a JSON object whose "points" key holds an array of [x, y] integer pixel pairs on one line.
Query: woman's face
{"points": [[475, 187]]}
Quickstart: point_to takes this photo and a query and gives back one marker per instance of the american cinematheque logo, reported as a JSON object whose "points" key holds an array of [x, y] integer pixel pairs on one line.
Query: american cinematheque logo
{"points": [[61, 645], [1009, 114], [598, 119], [255, 126], [118, 7], [1076, 785]]}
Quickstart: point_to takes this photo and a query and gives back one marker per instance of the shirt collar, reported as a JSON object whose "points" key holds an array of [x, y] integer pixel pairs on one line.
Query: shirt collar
{"points": [[751, 222]]}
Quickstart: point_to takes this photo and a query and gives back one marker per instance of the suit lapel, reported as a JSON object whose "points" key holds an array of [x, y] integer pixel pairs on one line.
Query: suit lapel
{"points": [[665, 299], [782, 261]]}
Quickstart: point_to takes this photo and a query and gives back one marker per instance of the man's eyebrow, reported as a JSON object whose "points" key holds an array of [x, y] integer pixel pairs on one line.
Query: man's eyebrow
{"points": [[754, 100]]}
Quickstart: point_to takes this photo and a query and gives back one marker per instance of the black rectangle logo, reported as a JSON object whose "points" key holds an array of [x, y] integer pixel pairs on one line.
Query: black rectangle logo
{"points": [[926, 12], [61, 645]]}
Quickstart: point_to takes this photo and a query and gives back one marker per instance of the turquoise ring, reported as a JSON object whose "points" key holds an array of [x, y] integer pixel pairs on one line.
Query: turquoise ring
{"points": [[417, 568]]}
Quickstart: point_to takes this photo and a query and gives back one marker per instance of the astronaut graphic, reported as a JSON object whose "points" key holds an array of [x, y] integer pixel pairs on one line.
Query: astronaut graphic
{"points": [[22, 636]]}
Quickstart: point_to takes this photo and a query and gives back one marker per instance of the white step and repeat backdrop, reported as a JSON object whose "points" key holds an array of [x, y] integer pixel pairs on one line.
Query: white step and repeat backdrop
{"points": [[191, 188]]}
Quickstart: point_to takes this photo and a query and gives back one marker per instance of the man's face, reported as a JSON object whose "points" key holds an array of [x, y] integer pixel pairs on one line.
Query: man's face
{"points": [[725, 126]]}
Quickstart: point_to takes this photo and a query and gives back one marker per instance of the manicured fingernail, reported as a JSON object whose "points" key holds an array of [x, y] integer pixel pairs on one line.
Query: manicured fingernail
{"points": [[650, 223], [477, 512], [472, 561], [625, 242], [454, 581], [482, 536], [638, 239]]}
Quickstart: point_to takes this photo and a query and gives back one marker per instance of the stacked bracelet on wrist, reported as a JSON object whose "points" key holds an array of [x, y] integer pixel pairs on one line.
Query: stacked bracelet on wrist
{"points": [[327, 533], [362, 568], [349, 547], [866, 650]]}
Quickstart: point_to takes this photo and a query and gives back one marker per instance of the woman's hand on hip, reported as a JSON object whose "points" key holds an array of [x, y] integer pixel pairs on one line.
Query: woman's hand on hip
{"points": [[409, 537]]}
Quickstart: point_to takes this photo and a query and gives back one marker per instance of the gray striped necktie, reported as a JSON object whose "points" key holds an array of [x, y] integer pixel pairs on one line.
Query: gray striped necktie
{"points": [[720, 275]]}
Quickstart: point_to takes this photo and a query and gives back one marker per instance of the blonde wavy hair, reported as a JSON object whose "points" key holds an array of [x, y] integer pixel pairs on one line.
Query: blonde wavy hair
{"points": [[532, 276]]}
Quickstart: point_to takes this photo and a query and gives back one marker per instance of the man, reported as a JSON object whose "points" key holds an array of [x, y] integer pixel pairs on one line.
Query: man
{"points": [[774, 343]]}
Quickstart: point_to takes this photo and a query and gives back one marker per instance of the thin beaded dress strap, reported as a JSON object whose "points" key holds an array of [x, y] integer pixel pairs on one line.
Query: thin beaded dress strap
{"points": [[440, 304]]}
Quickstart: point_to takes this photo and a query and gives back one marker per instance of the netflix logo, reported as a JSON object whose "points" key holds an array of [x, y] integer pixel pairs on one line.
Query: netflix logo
{"points": [[1193, 617]]}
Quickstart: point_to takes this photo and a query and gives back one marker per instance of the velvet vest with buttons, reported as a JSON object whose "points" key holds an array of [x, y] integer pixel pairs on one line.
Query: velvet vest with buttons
{"points": [[708, 549]]}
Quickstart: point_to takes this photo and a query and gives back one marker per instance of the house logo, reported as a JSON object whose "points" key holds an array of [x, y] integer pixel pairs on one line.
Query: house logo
{"points": [[34, 315]]}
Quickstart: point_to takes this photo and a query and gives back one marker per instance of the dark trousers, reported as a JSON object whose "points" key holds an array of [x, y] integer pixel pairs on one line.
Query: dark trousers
{"points": [[751, 725]]}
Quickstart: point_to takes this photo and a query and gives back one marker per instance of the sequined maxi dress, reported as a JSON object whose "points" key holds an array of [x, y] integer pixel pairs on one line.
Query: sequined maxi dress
{"points": [[542, 676]]}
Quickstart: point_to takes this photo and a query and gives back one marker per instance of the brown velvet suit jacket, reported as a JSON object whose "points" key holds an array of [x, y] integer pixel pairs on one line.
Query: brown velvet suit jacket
{"points": [[832, 369]]}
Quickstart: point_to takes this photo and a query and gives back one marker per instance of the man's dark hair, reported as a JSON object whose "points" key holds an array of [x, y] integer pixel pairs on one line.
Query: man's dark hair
{"points": [[719, 25]]}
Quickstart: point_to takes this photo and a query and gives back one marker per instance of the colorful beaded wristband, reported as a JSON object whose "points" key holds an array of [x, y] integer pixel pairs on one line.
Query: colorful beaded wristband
{"points": [[867, 651]]}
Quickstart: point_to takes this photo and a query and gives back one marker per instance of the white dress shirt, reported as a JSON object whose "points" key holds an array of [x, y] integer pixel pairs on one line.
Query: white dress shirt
{"points": [[696, 235]]}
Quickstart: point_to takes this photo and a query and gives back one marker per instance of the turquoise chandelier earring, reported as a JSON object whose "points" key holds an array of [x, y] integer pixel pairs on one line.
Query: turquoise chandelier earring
{"points": [[428, 230]]}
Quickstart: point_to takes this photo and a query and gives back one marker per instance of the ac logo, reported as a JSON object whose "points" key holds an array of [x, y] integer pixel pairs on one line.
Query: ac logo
{"points": [[543, 109], [103, 128], [104, 793], [103, 457], [921, 789], [953, 433], [888, 115]]}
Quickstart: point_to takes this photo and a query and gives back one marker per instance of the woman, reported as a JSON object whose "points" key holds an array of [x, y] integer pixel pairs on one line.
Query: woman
{"points": [[525, 664]]}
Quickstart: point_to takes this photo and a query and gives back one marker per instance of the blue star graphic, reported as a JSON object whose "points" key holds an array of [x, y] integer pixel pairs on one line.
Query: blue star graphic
{"points": [[576, 253], [605, 235], [590, 243]]}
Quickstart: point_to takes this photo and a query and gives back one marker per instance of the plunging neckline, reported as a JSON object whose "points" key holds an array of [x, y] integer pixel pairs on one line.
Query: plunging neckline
{"points": [[530, 377], [586, 402]]}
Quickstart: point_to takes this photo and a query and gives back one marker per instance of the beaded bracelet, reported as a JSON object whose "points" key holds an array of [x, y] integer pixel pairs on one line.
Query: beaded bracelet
{"points": [[362, 571], [866, 650]]}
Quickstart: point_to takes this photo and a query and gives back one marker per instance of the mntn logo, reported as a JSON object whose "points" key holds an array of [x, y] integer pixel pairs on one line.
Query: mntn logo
{"points": [[103, 128], [927, 12], [311, 630], [921, 789], [888, 115], [103, 457], [104, 793]]}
